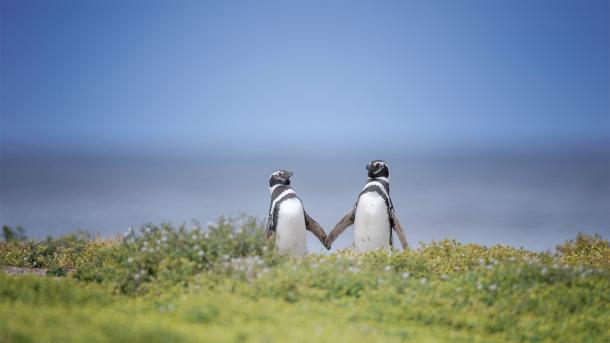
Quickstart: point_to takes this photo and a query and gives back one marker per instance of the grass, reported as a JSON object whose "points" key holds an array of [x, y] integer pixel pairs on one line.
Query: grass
{"points": [[225, 283]]}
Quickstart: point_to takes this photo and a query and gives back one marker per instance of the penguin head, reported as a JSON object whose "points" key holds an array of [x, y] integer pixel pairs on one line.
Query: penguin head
{"points": [[280, 177], [378, 168]]}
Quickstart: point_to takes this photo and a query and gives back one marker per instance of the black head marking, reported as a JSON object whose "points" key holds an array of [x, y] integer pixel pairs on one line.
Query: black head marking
{"points": [[280, 177], [378, 168]]}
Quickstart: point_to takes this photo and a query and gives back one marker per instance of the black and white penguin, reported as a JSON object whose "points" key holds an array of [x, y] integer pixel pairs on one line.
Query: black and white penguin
{"points": [[287, 217], [373, 215]]}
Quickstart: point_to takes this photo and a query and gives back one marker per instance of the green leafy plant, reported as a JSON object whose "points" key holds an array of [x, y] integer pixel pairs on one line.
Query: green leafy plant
{"points": [[226, 283]]}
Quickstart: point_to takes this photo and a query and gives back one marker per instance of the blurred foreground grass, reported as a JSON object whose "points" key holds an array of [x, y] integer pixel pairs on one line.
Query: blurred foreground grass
{"points": [[225, 283]]}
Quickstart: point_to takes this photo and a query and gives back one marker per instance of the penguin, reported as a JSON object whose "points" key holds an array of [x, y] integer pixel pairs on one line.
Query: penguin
{"points": [[287, 217], [373, 214]]}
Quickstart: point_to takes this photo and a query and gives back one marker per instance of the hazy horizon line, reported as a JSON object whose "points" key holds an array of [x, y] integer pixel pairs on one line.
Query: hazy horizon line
{"points": [[595, 147]]}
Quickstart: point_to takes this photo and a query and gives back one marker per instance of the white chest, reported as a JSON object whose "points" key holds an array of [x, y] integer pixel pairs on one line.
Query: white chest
{"points": [[291, 236], [371, 225]]}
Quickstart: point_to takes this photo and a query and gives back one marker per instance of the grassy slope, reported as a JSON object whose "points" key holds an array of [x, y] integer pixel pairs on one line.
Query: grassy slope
{"points": [[169, 284], [63, 311]]}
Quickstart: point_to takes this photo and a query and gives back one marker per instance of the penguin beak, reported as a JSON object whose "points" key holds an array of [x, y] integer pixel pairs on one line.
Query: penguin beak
{"points": [[289, 173]]}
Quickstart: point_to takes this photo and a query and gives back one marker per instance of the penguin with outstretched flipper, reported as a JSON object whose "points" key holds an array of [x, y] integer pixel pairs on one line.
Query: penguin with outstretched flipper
{"points": [[287, 217], [373, 215]]}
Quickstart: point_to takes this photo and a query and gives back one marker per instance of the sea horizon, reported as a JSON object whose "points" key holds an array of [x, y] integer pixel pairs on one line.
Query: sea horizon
{"points": [[523, 198]]}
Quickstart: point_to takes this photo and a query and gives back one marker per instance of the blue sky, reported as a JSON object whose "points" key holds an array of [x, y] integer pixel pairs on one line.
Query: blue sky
{"points": [[312, 76]]}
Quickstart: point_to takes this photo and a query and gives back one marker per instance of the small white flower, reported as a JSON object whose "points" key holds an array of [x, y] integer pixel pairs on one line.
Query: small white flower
{"points": [[481, 261], [543, 271], [130, 260], [479, 286], [164, 238], [405, 275], [200, 253], [225, 257], [423, 281], [459, 289], [444, 277], [492, 287], [387, 268]]}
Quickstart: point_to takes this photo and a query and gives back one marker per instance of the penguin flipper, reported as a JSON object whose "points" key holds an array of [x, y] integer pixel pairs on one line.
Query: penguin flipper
{"points": [[315, 228], [346, 221], [269, 230], [399, 231]]}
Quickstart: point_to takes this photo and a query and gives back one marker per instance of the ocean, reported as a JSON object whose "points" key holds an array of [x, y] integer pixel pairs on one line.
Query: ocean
{"points": [[531, 200]]}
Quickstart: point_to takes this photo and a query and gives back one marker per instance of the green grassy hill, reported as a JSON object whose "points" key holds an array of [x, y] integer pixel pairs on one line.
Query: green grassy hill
{"points": [[225, 283]]}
